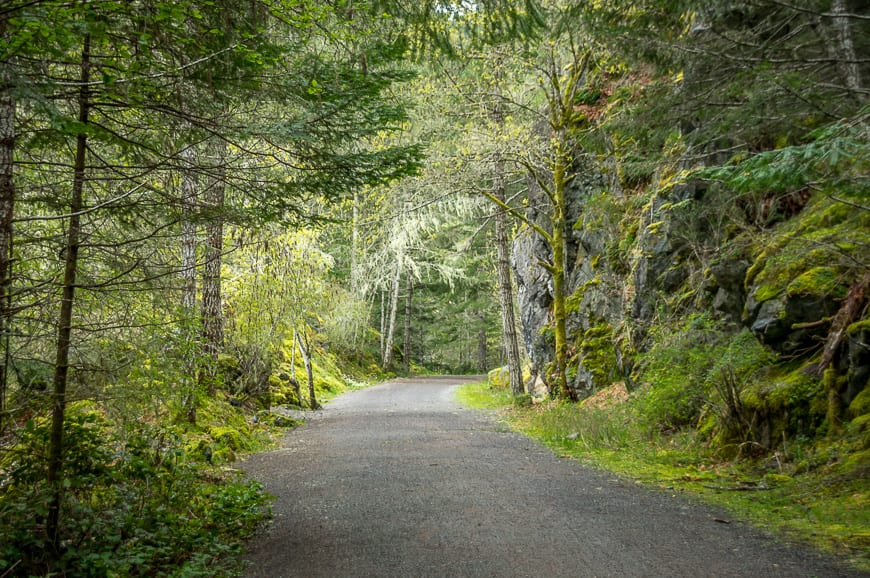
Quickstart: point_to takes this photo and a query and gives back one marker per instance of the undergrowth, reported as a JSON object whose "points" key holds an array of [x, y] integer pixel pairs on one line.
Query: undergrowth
{"points": [[145, 493], [136, 502]]}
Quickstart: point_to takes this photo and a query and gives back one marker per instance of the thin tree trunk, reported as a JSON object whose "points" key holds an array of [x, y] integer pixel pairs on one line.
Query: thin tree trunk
{"points": [[355, 284], [293, 381], [305, 349], [354, 246], [64, 323], [560, 185], [505, 287], [212, 314], [189, 193], [406, 350], [481, 344], [394, 306], [848, 58], [7, 211], [383, 323]]}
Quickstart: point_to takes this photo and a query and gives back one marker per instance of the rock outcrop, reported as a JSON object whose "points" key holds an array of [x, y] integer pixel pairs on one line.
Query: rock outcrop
{"points": [[626, 269]]}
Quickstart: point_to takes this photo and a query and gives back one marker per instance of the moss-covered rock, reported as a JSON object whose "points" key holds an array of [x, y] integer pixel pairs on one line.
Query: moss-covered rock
{"points": [[799, 280], [860, 405], [499, 378], [227, 436]]}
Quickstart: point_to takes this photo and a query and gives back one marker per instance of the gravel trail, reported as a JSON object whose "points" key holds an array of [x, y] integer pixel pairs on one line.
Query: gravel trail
{"points": [[398, 480]]}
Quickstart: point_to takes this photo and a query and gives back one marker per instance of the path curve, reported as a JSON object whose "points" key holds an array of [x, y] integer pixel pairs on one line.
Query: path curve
{"points": [[398, 480]]}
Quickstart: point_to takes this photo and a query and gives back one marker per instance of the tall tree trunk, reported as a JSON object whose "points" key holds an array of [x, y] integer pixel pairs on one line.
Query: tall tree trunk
{"points": [[481, 344], [846, 49], [383, 322], [189, 194], [64, 322], [406, 350], [293, 381], [212, 314], [561, 178], [355, 284], [354, 246], [7, 211], [505, 286], [394, 306], [305, 349]]}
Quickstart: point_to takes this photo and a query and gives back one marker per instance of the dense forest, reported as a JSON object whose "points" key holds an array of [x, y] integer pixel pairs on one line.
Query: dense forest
{"points": [[209, 209]]}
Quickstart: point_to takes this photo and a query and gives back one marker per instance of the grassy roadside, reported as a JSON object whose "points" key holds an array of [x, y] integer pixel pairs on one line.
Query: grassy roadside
{"points": [[817, 494]]}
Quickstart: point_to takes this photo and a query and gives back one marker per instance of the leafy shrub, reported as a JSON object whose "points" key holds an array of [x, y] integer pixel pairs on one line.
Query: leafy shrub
{"points": [[133, 504], [674, 372]]}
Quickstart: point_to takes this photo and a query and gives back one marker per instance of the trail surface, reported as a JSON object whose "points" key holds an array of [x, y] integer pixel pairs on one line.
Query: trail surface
{"points": [[398, 480]]}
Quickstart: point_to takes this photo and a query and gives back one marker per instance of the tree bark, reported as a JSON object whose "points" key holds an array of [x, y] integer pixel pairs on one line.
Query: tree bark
{"points": [[394, 306], [383, 321], [64, 323], [505, 286], [481, 344], [848, 58], [503, 268], [293, 381], [560, 185], [406, 350], [7, 211], [354, 246], [189, 195], [305, 349], [212, 314]]}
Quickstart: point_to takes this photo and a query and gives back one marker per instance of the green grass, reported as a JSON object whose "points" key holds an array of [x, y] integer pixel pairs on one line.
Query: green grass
{"points": [[480, 396], [810, 492]]}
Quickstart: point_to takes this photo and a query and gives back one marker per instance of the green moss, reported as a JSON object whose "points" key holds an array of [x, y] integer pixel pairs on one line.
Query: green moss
{"points": [[499, 378], [777, 479], [858, 326], [228, 437], [766, 293], [813, 254], [861, 404], [598, 354], [818, 281]]}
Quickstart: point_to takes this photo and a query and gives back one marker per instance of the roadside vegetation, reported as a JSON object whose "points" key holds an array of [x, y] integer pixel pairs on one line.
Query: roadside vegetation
{"points": [[809, 491], [150, 495]]}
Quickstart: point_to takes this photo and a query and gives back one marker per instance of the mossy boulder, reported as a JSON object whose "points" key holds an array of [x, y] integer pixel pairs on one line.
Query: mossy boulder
{"points": [[228, 437], [860, 405], [499, 378], [799, 279]]}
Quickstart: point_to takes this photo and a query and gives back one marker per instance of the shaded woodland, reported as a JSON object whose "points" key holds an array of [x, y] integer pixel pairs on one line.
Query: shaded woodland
{"points": [[209, 210]]}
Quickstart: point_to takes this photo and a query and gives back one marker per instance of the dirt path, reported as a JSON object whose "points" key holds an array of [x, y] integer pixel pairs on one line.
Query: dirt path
{"points": [[398, 480]]}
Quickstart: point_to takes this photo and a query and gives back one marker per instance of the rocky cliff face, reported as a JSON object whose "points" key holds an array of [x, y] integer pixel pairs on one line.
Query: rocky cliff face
{"points": [[634, 263]]}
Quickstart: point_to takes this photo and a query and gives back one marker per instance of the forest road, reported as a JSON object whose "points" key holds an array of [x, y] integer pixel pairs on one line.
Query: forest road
{"points": [[399, 480]]}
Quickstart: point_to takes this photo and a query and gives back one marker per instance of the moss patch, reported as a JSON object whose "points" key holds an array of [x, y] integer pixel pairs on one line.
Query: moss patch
{"points": [[817, 282], [499, 378], [813, 254]]}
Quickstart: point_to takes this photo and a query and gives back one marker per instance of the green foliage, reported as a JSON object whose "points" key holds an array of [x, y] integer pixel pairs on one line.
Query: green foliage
{"points": [[598, 353], [703, 376], [674, 373], [135, 505], [837, 154]]}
